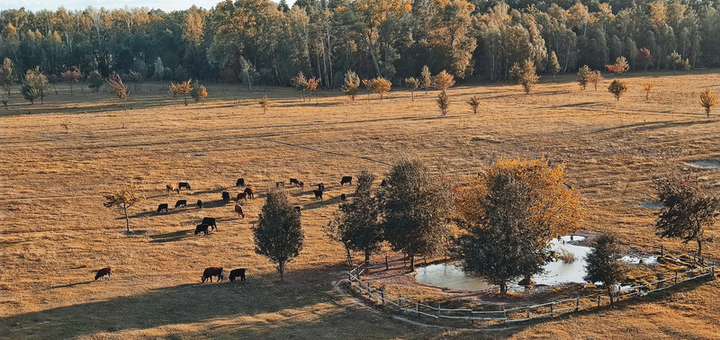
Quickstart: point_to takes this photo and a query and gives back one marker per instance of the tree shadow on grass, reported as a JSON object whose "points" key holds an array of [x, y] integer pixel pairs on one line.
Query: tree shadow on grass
{"points": [[182, 304], [170, 237]]}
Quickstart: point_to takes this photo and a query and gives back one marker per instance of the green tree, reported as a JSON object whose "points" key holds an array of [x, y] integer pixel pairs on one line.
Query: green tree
{"points": [[95, 81], [123, 198], [675, 60], [443, 102], [412, 83], [426, 79], [511, 212], [553, 64], [583, 76], [525, 75], [416, 206], [7, 76], [278, 234], [35, 85], [604, 263], [351, 84], [686, 210], [617, 88], [357, 222]]}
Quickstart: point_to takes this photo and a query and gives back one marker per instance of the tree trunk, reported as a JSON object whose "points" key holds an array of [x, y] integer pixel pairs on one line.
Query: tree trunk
{"points": [[367, 257], [412, 95], [412, 262], [185, 99], [127, 218], [371, 50], [503, 288], [609, 292], [281, 270], [699, 252], [349, 258]]}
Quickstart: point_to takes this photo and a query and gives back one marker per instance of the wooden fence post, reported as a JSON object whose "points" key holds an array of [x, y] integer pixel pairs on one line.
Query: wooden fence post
{"points": [[661, 250], [676, 275], [400, 303], [438, 311], [552, 309], [382, 295], [386, 263], [504, 313], [598, 300], [417, 308], [527, 311], [577, 304]]}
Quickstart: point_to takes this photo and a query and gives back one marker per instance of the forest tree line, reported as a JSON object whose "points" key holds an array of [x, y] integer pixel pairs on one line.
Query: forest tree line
{"points": [[262, 42]]}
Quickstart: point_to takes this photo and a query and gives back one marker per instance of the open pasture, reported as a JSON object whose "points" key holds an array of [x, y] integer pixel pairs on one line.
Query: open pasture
{"points": [[60, 157]]}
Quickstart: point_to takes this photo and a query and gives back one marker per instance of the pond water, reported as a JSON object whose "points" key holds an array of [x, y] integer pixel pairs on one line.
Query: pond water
{"points": [[450, 275], [650, 204], [705, 163], [197, 155]]}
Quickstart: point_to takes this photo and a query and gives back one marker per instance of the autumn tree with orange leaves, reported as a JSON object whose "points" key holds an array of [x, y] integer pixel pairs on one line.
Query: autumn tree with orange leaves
{"points": [[510, 213]]}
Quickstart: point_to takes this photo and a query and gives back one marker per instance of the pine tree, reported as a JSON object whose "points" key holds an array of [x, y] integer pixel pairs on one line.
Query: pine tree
{"points": [[708, 100], [183, 88], [380, 86], [264, 103], [474, 103], [118, 88], [95, 81], [647, 87], [595, 78], [7, 76], [426, 79], [199, 93], [617, 88], [583, 76], [553, 65], [526, 75], [412, 83], [604, 263], [443, 81], [443, 102], [278, 234], [351, 84]]}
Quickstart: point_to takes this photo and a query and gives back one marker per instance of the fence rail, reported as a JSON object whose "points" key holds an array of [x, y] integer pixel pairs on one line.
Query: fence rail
{"points": [[522, 313]]}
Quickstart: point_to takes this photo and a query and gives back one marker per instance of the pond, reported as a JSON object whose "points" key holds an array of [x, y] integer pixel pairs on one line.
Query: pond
{"points": [[705, 163], [651, 204], [450, 275]]}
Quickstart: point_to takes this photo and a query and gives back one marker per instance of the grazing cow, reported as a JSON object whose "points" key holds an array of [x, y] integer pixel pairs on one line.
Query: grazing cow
{"points": [[181, 204], [209, 221], [302, 185], [237, 273], [162, 207], [241, 196], [343, 197], [226, 196], [184, 185], [249, 193], [298, 210], [321, 186], [279, 184], [318, 194], [201, 228], [240, 182], [294, 181], [199, 204], [102, 272], [384, 183], [170, 188], [212, 271], [346, 179], [239, 210]]}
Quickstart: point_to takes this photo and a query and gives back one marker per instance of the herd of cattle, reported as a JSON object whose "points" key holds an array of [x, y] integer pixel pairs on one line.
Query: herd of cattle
{"points": [[209, 223]]}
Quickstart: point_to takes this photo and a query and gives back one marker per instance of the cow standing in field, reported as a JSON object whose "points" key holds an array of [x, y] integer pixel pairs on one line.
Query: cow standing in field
{"points": [[240, 182], [199, 204], [209, 221], [102, 272], [343, 197], [249, 193], [241, 196], [226, 196], [184, 185], [162, 207], [346, 179], [321, 186], [212, 271], [202, 228], [172, 188], [181, 204], [294, 181], [318, 194], [239, 210], [240, 272]]}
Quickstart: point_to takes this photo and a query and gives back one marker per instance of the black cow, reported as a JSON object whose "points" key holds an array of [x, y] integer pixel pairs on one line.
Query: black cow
{"points": [[226, 196], [108, 271], [237, 273], [181, 204], [383, 183], [343, 197], [346, 179], [279, 184], [212, 271], [162, 207], [241, 196], [202, 228], [318, 194], [249, 193], [321, 186], [209, 221], [199, 204], [298, 210], [184, 185], [294, 181], [240, 182]]}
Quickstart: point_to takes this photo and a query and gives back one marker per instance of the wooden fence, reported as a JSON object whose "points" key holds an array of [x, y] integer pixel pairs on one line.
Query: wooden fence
{"points": [[517, 314]]}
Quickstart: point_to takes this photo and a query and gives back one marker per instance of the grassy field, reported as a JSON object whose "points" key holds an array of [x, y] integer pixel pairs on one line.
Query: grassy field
{"points": [[58, 158]]}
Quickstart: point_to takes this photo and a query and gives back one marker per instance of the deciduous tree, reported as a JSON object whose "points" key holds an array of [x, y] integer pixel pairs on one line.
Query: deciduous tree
{"points": [[412, 83], [7, 75], [199, 93], [708, 100], [525, 75], [118, 88], [474, 103], [443, 102], [620, 67], [95, 81], [595, 78], [426, 78], [686, 210], [182, 88], [34, 85], [443, 81], [380, 86], [124, 198], [264, 103], [553, 64], [647, 87], [71, 76], [617, 88]]}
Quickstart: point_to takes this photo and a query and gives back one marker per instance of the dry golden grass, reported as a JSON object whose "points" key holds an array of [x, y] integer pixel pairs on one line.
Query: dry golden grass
{"points": [[59, 158]]}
